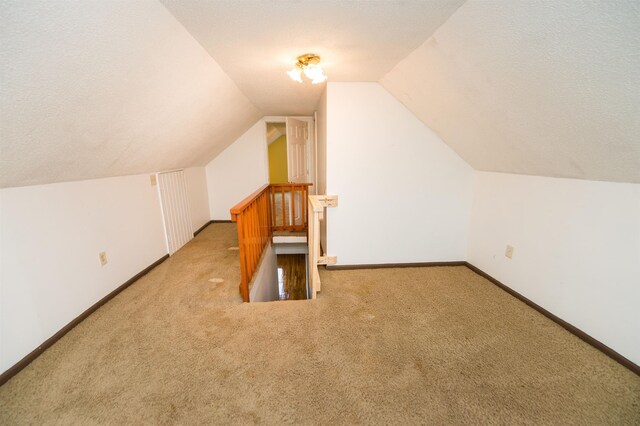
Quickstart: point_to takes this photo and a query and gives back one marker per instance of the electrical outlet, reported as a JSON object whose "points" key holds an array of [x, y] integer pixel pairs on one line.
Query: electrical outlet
{"points": [[509, 252], [103, 258], [153, 180]]}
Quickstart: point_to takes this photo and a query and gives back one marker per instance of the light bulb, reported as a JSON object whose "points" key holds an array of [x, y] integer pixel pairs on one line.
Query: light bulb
{"points": [[311, 71], [315, 74], [295, 74], [319, 79]]}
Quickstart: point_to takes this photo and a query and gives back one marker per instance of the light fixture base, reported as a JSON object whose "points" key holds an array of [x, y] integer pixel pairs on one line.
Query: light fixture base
{"points": [[309, 64], [308, 59]]}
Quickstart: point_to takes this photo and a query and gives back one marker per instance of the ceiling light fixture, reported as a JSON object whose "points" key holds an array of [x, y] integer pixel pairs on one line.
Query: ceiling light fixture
{"points": [[309, 64]]}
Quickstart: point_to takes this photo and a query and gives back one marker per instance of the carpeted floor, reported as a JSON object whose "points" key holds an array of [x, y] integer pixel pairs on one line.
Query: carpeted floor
{"points": [[388, 346]]}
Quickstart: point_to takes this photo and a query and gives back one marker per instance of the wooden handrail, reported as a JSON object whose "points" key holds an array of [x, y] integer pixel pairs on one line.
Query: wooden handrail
{"points": [[253, 216], [242, 205]]}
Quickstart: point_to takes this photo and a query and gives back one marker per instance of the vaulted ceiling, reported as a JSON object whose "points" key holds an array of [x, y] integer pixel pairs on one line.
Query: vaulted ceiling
{"points": [[106, 88], [533, 87]]}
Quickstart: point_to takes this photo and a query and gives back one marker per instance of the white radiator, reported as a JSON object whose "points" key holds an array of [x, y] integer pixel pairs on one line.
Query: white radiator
{"points": [[178, 230]]}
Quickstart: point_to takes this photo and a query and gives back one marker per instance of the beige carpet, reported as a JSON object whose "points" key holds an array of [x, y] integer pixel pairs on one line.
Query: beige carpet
{"points": [[403, 346]]}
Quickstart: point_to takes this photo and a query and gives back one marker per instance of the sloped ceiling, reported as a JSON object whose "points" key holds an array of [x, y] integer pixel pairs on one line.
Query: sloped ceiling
{"points": [[257, 41], [107, 88], [533, 87]]}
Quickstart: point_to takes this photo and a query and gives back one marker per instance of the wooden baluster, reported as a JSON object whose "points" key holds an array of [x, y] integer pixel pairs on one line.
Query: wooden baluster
{"points": [[301, 191], [261, 214], [257, 219], [244, 281], [267, 203], [256, 234], [269, 218], [272, 210], [252, 242], [304, 210], [248, 240], [249, 244], [284, 220], [305, 196], [256, 243], [253, 237], [247, 227], [259, 224], [293, 207], [264, 220], [260, 221]]}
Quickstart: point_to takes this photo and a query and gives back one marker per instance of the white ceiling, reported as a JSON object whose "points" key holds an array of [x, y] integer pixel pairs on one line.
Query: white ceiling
{"points": [[256, 41], [533, 87], [106, 88], [109, 88]]}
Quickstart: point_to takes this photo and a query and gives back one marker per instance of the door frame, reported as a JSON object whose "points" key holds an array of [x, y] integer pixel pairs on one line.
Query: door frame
{"points": [[311, 144]]}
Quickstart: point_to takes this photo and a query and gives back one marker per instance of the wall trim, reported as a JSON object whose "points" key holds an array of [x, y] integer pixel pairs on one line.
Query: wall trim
{"points": [[16, 368], [209, 223], [562, 323], [625, 362], [394, 265], [199, 230]]}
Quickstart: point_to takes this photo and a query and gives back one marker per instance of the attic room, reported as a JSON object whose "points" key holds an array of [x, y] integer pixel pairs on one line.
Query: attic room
{"points": [[482, 250]]}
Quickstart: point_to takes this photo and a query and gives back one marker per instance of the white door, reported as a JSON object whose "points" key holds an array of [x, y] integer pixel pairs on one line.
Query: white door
{"points": [[297, 134], [172, 187]]}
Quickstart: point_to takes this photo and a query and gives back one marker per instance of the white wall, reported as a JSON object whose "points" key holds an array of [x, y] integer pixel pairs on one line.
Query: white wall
{"points": [[198, 197], [264, 285], [244, 167], [238, 171], [576, 249], [404, 195], [50, 239]]}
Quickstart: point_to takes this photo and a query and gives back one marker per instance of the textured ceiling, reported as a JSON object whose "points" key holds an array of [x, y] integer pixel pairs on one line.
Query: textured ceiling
{"points": [[257, 41], [107, 88], [533, 87]]}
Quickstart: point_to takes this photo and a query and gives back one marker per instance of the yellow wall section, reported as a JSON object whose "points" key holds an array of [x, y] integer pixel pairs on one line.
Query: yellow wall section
{"points": [[278, 172]]}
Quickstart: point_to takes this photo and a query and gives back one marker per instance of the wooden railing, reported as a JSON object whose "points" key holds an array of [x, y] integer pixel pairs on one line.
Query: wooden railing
{"points": [[317, 204], [259, 215], [288, 204], [253, 216]]}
